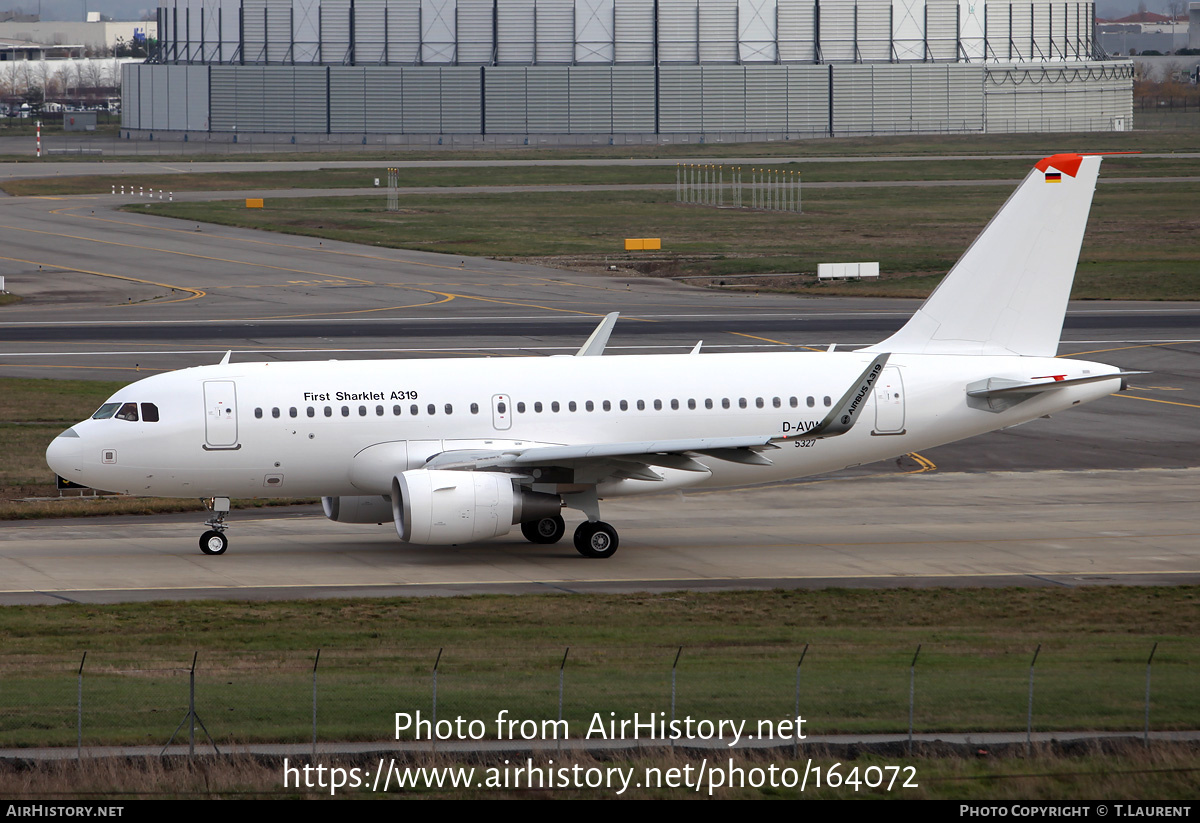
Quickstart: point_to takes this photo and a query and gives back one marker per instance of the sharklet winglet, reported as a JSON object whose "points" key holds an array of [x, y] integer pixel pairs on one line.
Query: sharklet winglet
{"points": [[594, 345]]}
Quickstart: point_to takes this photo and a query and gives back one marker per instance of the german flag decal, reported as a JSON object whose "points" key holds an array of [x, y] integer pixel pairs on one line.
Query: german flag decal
{"points": [[1053, 177]]}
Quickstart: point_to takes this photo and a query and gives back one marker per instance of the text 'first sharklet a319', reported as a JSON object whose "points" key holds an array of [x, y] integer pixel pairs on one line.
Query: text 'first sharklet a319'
{"points": [[456, 451]]}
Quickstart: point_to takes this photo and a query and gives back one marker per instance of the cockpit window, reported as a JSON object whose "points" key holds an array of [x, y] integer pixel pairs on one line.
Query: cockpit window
{"points": [[128, 411], [106, 411], [149, 413]]}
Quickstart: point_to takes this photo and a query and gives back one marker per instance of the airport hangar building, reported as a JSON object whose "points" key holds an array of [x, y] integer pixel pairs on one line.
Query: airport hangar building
{"points": [[561, 72]]}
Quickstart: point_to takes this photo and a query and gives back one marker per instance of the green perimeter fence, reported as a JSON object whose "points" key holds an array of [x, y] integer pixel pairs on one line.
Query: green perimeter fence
{"points": [[339, 695]]}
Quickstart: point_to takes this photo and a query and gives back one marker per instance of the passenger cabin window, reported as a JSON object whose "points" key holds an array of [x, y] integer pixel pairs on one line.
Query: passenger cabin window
{"points": [[275, 412], [106, 411], [258, 414], [292, 412], [474, 408]]}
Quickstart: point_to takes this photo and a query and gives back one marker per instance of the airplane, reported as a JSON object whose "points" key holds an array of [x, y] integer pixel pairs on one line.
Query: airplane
{"points": [[458, 451]]}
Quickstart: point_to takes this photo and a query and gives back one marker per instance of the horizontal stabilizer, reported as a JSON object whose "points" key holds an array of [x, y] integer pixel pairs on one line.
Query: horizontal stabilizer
{"points": [[1000, 386]]}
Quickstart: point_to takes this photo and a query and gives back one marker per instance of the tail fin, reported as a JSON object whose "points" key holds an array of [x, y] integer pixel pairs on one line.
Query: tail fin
{"points": [[1008, 293]]}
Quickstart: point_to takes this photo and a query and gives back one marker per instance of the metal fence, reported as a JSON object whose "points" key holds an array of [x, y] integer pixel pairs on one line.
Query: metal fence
{"points": [[1167, 103], [338, 695]]}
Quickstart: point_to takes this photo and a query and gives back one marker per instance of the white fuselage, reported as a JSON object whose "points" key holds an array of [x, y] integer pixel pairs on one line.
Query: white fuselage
{"points": [[337, 428]]}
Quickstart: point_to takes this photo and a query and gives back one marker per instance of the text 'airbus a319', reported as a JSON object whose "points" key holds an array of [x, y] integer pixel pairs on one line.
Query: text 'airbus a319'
{"points": [[456, 451]]}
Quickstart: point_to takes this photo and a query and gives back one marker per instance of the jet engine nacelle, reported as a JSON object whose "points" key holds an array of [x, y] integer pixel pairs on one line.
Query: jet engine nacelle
{"points": [[440, 507], [373, 508]]}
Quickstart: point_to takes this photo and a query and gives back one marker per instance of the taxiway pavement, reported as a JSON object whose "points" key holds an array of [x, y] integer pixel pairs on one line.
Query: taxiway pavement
{"points": [[118, 296]]}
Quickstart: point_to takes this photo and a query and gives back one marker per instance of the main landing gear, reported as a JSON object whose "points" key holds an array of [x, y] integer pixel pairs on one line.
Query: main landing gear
{"points": [[214, 540], [547, 530], [593, 538], [596, 539]]}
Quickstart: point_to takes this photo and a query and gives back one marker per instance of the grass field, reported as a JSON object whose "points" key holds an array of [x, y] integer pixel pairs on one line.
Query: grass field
{"points": [[739, 660], [823, 172], [1140, 243]]}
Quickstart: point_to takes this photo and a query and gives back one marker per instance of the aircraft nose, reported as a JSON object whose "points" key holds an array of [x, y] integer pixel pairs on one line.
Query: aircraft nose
{"points": [[63, 454]]}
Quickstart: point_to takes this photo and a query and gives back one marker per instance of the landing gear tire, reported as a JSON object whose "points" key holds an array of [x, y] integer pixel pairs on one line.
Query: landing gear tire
{"points": [[213, 542], [596, 539], [547, 530]]}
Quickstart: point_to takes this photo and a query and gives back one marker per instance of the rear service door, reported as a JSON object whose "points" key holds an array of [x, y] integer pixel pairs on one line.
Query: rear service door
{"points": [[889, 402]]}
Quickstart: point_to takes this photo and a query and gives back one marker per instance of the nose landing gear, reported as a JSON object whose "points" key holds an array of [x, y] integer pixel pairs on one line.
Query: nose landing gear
{"points": [[214, 540]]}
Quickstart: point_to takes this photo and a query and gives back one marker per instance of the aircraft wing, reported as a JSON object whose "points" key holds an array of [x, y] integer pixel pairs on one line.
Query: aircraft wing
{"points": [[670, 453], [633, 459]]}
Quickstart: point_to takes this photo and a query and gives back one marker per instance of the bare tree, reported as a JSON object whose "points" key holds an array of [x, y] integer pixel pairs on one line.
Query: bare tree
{"points": [[42, 72], [8, 79], [24, 77], [93, 74]]}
